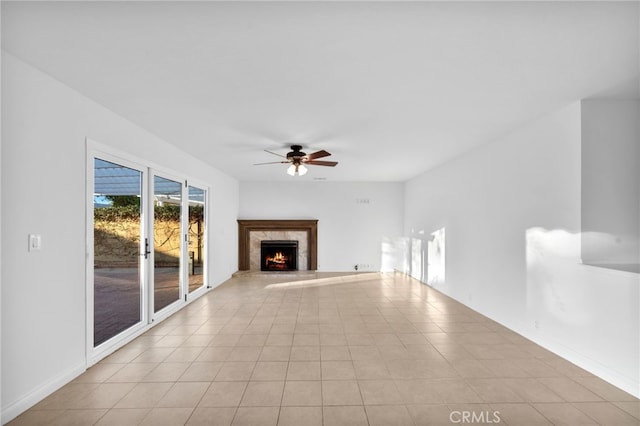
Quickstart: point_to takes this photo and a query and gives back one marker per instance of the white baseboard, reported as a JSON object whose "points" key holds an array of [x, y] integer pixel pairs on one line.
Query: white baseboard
{"points": [[620, 380], [623, 381], [22, 404], [15, 408]]}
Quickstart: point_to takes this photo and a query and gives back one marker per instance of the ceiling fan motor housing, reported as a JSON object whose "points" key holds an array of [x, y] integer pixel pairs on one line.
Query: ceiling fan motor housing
{"points": [[296, 152]]}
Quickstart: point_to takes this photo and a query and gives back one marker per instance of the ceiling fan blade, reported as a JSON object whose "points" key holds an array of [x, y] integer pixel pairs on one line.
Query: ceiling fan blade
{"points": [[275, 153], [318, 154], [272, 162], [322, 163]]}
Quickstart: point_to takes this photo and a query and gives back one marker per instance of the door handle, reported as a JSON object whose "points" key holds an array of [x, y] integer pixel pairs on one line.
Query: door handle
{"points": [[146, 248]]}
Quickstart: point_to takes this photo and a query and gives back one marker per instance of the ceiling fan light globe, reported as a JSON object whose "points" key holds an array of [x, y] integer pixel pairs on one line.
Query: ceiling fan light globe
{"points": [[291, 171], [302, 170]]}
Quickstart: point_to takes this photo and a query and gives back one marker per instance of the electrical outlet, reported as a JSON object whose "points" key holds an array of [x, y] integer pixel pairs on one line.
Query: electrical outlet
{"points": [[362, 267]]}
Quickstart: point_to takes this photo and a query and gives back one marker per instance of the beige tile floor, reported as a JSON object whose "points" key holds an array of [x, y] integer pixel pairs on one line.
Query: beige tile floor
{"points": [[371, 349]]}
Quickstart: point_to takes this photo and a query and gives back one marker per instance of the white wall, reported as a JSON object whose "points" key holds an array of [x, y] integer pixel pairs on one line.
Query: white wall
{"points": [[611, 183], [511, 211], [350, 232], [1, 239], [43, 185]]}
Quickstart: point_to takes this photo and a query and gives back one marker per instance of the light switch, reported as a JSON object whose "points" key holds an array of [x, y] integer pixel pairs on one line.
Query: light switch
{"points": [[35, 242]]}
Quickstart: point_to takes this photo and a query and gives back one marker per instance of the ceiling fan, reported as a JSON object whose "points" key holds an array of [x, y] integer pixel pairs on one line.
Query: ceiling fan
{"points": [[299, 159]]}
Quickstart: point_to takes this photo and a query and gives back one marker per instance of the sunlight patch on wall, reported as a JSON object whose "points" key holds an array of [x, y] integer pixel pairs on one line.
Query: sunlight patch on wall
{"points": [[417, 259], [388, 250], [555, 276], [436, 258], [399, 254]]}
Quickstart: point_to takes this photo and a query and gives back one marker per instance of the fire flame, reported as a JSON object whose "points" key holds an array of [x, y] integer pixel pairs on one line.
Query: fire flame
{"points": [[278, 257]]}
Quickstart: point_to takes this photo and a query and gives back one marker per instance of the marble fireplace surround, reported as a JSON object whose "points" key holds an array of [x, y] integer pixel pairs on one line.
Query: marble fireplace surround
{"points": [[251, 232]]}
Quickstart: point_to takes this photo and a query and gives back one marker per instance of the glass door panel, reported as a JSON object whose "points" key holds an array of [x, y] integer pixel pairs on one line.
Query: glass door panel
{"points": [[167, 247], [117, 234], [196, 238]]}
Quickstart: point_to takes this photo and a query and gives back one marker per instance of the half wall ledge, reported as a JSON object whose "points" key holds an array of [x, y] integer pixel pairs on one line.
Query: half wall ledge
{"points": [[246, 226]]}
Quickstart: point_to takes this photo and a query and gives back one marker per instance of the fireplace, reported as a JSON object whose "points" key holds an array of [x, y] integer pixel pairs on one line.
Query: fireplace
{"points": [[278, 255], [252, 231]]}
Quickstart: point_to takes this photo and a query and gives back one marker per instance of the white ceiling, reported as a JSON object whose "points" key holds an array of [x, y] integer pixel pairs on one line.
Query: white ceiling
{"points": [[391, 89]]}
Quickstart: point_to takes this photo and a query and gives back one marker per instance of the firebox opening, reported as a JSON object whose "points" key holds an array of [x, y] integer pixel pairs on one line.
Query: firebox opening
{"points": [[277, 255]]}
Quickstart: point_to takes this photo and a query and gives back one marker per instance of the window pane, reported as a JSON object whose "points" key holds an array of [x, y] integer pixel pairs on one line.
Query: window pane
{"points": [[116, 236], [196, 234], [166, 235]]}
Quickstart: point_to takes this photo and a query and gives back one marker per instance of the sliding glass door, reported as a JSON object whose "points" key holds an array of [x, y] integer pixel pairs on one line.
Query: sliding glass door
{"points": [[196, 235], [118, 249], [167, 241], [146, 247]]}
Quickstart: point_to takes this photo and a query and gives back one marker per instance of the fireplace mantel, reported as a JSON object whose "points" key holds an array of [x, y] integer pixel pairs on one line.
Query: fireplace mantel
{"points": [[245, 226]]}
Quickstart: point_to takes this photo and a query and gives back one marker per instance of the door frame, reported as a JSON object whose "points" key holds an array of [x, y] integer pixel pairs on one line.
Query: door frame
{"points": [[176, 304], [205, 241], [149, 318], [94, 354]]}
